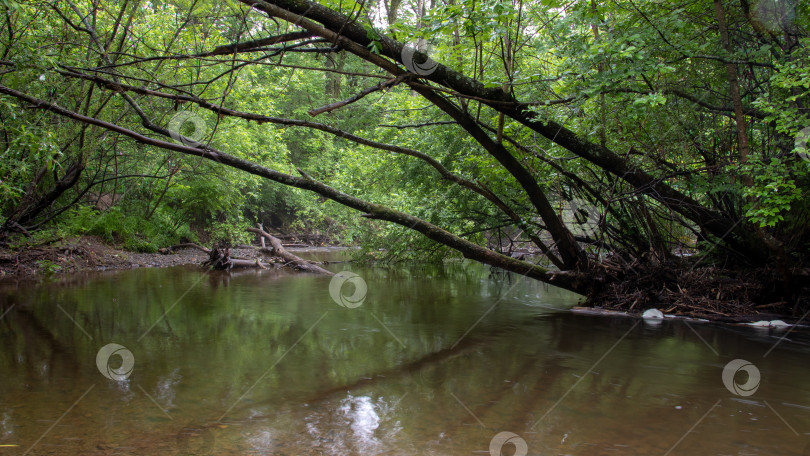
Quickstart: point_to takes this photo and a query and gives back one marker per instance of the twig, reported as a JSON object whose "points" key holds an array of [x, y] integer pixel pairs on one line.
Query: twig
{"points": [[383, 85]]}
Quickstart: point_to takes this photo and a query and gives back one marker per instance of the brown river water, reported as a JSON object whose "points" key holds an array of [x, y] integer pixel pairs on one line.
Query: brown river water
{"points": [[456, 359]]}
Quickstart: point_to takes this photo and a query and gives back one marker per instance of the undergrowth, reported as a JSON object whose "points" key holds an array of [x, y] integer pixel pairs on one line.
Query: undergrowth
{"points": [[132, 232]]}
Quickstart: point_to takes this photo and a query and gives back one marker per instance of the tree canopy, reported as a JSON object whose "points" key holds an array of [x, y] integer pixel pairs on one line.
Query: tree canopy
{"points": [[612, 137]]}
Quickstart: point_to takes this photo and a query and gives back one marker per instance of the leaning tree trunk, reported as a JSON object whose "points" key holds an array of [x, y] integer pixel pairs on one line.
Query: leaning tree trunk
{"points": [[292, 260], [61, 185]]}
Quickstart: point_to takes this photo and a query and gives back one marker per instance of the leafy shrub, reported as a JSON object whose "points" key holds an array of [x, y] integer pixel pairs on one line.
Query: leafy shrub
{"points": [[132, 231]]}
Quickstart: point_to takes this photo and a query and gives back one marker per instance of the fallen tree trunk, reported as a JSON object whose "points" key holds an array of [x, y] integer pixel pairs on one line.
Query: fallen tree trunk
{"points": [[219, 258], [239, 263], [279, 250]]}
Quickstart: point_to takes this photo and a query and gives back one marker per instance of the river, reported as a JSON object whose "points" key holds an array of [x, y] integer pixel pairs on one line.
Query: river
{"points": [[457, 359]]}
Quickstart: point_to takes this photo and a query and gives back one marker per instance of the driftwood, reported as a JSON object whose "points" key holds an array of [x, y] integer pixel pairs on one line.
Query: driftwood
{"points": [[219, 258], [239, 263], [292, 260]]}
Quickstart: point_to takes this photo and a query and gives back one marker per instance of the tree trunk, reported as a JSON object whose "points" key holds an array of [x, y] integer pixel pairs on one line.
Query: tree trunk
{"points": [[70, 178], [734, 90], [294, 261]]}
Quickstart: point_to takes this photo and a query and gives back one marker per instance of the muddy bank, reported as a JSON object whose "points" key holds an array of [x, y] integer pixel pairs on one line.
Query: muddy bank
{"points": [[91, 254]]}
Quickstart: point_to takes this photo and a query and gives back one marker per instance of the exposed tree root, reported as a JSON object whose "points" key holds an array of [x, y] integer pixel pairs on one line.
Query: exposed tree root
{"points": [[219, 258]]}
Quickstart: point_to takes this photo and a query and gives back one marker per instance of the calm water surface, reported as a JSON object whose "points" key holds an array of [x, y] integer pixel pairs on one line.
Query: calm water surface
{"points": [[435, 361]]}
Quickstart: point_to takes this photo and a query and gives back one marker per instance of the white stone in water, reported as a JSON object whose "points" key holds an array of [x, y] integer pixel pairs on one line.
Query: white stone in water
{"points": [[652, 313], [761, 323], [778, 324]]}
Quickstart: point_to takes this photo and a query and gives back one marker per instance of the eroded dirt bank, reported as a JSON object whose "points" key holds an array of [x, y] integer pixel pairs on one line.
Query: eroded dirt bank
{"points": [[91, 254]]}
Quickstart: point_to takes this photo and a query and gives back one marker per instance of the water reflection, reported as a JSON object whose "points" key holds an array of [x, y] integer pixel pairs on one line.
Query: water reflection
{"points": [[360, 415], [7, 425], [358, 425], [261, 442], [165, 389], [294, 373]]}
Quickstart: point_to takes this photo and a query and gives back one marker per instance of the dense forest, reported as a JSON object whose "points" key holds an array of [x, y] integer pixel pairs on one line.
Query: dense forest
{"points": [[647, 151]]}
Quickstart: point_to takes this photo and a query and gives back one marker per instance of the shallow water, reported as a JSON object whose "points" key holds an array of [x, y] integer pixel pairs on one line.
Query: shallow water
{"points": [[434, 361]]}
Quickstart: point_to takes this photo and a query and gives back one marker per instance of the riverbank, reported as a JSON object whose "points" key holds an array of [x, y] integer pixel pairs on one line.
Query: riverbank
{"points": [[89, 253], [712, 295]]}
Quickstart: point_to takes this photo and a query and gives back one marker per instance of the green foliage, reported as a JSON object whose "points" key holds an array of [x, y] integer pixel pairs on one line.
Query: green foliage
{"points": [[648, 82], [28, 149], [791, 82], [48, 267], [774, 190], [231, 231], [374, 46], [133, 232]]}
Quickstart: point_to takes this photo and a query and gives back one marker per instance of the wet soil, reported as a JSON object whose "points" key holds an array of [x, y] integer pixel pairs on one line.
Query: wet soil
{"points": [[89, 253]]}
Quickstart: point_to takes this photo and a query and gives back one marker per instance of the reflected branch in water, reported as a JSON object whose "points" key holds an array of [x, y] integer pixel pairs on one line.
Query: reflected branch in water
{"points": [[271, 367], [40, 344], [587, 373], [397, 372], [433, 359], [163, 315], [75, 323], [6, 311]]}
